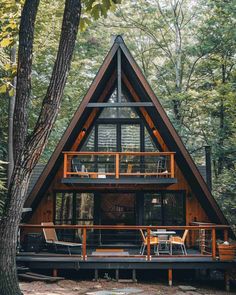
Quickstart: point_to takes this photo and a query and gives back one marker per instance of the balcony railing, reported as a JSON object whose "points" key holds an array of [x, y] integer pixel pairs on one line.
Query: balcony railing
{"points": [[193, 241], [119, 164]]}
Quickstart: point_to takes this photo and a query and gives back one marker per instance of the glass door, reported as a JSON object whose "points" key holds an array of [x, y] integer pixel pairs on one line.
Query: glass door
{"points": [[117, 209]]}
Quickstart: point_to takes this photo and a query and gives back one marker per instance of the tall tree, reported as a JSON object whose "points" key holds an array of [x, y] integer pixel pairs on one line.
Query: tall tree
{"points": [[27, 149]]}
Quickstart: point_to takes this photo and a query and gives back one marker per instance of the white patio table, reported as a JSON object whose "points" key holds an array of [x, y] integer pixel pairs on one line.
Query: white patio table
{"points": [[163, 245]]}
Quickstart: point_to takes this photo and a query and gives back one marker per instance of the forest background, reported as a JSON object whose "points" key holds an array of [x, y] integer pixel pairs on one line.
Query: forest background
{"points": [[186, 50]]}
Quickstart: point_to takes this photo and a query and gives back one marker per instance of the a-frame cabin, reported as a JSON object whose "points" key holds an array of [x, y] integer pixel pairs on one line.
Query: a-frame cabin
{"points": [[121, 167]]}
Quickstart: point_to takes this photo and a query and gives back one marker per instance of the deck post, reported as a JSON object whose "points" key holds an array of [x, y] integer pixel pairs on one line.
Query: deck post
{"points": [[84, 244], [65, 166], [226, 235], [227, 281], [117, 275], [117, 166], [96, 275], [134, 275], [54, 272], [170, 272], [213, 243], [172, 166], [148, 245]]}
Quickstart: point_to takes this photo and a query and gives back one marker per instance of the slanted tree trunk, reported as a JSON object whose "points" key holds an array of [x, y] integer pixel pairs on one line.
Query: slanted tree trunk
{"points": [[27, 149]]}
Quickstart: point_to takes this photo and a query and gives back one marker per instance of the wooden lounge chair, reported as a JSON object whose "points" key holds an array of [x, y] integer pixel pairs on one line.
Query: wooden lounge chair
{"points": [[179, 242], [153, 241], [51, 238]]}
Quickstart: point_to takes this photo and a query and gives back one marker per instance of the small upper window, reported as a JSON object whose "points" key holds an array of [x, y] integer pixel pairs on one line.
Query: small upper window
{"points": [[114, 112]]}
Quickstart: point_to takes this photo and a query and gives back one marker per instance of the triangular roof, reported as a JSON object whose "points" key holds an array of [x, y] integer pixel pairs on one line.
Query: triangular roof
{"points": [[101, 87]]}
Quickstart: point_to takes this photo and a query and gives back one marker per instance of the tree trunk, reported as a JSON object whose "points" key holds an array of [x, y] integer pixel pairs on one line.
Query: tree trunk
{"points": [[221, 158], [27, 150], [8, 238], [10, 123]]}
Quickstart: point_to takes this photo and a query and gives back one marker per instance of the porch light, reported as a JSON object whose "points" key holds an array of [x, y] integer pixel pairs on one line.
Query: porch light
{"points": [[154, 131], [84, 131], [154, 201]]}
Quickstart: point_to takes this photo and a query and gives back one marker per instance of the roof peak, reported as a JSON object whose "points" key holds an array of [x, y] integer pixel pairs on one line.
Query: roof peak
{"points": [[119, 39]]}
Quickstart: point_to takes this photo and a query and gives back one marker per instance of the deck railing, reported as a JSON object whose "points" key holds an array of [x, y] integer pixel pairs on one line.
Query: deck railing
{"points": [[216, 231], [119, 164]]}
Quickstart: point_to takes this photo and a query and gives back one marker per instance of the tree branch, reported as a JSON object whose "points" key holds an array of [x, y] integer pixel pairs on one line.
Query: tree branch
{"points": [[51, 103], [23, 87]]}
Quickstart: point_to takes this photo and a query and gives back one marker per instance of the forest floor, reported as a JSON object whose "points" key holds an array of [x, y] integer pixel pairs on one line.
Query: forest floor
{"points": [[103, 287]]}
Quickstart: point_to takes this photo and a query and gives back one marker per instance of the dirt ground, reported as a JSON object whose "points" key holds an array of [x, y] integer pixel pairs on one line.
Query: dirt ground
{"points": [[68, 287]]}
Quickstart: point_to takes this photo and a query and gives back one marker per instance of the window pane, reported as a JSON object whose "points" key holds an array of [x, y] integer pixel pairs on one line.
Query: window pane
{"points": [[173, 209], [130, 138], [113, 112], [84, 206], [152, 209], [107, 138], [148, 142], [89, 143], [64, 209]]}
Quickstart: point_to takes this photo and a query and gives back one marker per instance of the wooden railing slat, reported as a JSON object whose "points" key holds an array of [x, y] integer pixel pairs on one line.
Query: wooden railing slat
{"points": [[213, 243]]}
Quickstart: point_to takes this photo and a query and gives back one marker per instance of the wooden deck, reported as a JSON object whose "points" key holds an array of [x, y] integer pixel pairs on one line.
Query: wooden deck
{"points": [[76, 262]]}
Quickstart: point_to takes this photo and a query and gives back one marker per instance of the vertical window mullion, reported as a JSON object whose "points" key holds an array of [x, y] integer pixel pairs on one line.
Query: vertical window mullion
{"points": [[74, 213], [162, 210]]}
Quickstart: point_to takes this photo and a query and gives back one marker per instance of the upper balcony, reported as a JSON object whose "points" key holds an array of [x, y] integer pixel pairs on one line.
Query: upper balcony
{"points": [[119, 168]]}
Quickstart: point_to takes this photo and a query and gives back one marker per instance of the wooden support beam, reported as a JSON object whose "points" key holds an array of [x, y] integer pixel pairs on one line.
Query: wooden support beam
{"points": [[95, 275], [65, 166], [119, 104], [172, 166], [134, 278], [213, 243], [170, 273], [148, 244], [84, 244], [117, 275], [117, 166], [227, 281], [54, 273]]}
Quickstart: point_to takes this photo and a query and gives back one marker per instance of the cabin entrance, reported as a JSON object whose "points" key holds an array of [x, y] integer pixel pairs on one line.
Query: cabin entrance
{"points": [[117, 209]]}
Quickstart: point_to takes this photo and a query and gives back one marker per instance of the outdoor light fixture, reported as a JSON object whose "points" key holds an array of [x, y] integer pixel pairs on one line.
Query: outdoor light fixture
{"points": [[154, 131], [83, 131], [154, 201]]}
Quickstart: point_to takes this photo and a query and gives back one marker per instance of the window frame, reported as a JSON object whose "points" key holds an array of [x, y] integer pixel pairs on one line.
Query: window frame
{"points": [[162, 193], [74, 213]]}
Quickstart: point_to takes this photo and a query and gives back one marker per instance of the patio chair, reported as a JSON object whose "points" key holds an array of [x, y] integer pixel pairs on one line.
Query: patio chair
{"points": [[50, 236], [153, 241], [78, 166], [178, 241], [162, 167]]}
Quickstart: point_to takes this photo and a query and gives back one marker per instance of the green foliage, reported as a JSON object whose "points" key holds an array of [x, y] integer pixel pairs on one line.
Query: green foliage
{"points": [[224, 191], [95, 9]]}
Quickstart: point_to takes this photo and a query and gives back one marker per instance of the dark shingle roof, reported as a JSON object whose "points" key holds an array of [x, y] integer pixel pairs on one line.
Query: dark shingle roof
{"points": [[38, 169]]}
